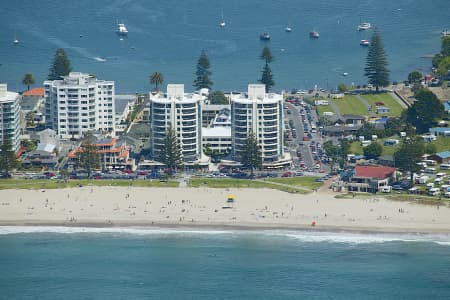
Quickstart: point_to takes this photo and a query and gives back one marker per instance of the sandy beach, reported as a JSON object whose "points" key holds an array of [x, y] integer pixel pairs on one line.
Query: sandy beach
{"points": [[252, 208]]}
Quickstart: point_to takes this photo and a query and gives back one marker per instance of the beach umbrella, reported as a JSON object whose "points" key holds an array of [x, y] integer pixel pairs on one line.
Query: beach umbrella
{"points": [[230, 198]]}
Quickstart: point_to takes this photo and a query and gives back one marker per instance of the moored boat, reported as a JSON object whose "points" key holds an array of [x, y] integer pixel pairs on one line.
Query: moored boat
{"points": [[264, 36], [121, 29], [364, 26], [364, 43], [314, 34]]}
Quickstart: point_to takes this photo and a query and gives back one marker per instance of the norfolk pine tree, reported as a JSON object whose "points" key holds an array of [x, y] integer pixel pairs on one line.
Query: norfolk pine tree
{"points": [[203, 73], [251, 157], [89, 158], [60, 66], [376, 69], [170, 153]]}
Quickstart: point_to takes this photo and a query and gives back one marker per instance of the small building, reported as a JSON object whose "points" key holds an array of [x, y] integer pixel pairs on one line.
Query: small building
{"points": [[217, 138], [39, 159], [210, 111], [340, 131], [439, 131], [113, 155], [354, 120], [370, 179], [383, 110], [441, 157]]}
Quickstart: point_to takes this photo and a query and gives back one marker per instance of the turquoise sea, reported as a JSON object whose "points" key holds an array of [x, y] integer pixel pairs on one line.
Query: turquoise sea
{"points": [[168, 36], [155, 263]]}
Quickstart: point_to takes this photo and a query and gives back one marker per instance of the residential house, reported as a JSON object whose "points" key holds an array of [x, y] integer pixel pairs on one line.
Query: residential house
{"points": [[441, 157], [40, 159]]}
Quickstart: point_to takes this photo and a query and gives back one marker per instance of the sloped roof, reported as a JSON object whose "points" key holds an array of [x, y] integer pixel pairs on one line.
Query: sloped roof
{"points": [[35, 92], [444, 154], [378, 172]]}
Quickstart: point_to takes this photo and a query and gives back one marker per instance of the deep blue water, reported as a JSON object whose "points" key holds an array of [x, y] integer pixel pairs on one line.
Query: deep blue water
{"points": [[72, 263], [167, 36]]}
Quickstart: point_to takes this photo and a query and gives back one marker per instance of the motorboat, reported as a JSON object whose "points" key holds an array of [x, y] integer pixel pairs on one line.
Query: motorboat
{"points": [[223, 24], [364, 43], [15, 41], [314, 34], [445, 33], [364, 26], [264, 36], [122, 29], [288, 29]]}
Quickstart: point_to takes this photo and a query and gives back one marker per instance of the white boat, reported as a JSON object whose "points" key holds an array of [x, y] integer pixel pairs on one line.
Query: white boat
{"points": [[121, 29], [314, 34], [364, 26], [15, 41], [288, 29], [364, 43], [445, 33]]}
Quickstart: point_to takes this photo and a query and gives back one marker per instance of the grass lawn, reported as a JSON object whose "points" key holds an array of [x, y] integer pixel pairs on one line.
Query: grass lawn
{"points": [[442, 143], [351, 105], [388, 100], [305, 182], [243, 183], [58, 184], [324, 108], [356, 147]]}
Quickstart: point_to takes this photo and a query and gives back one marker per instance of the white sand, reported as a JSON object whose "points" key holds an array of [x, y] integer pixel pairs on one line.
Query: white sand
{"points": [[103, 206]]}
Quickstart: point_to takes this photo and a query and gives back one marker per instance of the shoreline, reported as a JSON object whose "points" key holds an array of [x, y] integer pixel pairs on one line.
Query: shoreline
{"points": [[229, 227], [208, 209]]}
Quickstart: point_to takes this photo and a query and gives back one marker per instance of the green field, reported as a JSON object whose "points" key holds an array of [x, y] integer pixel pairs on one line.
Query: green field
{"points": [[59, 184], [356, 147], [351, 105], [324, 108], [304, 182], [389, 101], [282, 184], [442, 143]]}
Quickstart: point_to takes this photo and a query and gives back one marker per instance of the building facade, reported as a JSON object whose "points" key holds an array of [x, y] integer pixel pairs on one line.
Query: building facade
{"points": [[183, 113], [9, 117], [261, 113], [79, 103]]}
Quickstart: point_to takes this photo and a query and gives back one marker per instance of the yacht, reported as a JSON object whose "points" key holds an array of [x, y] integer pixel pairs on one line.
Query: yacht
{"points": [[15, 41], [122, 29], [364, 43], [222, 23], [314, 34], [264, 36], [364, 26], [288, 29]]}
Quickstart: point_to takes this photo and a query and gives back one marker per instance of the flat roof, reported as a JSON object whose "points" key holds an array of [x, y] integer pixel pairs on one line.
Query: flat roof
{"points": [[216, 132]]}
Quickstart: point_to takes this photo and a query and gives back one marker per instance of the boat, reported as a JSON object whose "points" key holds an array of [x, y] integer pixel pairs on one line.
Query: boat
{"points": [[364, 43], [314, 34], [222, 23], [445, 33], [288, 29], [15, 41], [121, 29], [264, 36], [345, 74], [364, 26]]}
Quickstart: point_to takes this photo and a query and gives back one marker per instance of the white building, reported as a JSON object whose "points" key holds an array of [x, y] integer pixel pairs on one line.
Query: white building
{"points": [[79, 103], [183, 113], [261, 113], [9, 117], [217, 138]]}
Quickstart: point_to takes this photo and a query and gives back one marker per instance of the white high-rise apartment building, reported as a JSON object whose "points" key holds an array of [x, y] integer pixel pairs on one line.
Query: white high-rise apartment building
{"points": [[183, 113], [261, 113], [9, 117], [79, 103]]}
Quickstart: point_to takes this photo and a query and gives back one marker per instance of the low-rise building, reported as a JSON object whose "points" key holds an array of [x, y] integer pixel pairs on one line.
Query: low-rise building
{"points": [[370, 179], [217, 138], [441, 157], [113, 153]]}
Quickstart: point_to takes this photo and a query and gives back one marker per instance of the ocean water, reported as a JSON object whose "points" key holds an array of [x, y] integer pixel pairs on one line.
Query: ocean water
{"points": [[144, 263], [168, 36]]}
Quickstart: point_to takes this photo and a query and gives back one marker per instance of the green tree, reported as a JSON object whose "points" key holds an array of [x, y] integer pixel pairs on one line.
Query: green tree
{"points": [[342, 87], [157, 79], [373, 151], [29, 145], [393, 126], [409, 155], [60, 66], [171, 152], [267, 78], [8, 160], [266, 55], [203, 73], [426, 111], [445, 46], [430, 148], [29, 117], [376, 69], [88, 156], [218, 97], [414, 77], [337, 153], [443, 67], [28, 80], [251, 157]]}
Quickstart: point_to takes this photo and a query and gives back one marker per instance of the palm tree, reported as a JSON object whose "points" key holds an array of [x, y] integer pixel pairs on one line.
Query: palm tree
{"points": [[28, 80], [156, 78]]}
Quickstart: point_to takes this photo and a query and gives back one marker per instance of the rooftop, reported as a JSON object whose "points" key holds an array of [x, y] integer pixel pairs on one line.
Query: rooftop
{"points": [[35, 92], [378, 172], [444, 154]]}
